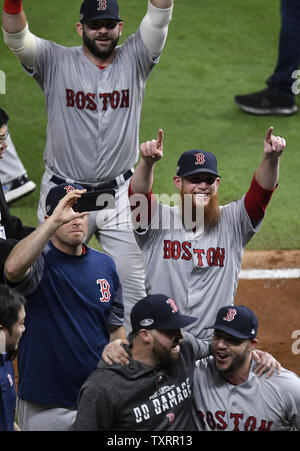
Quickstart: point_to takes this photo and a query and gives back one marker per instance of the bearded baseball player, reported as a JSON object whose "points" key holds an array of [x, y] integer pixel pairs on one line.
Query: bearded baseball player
{"points": [[228, 394], [94, 95], [194, 257]]}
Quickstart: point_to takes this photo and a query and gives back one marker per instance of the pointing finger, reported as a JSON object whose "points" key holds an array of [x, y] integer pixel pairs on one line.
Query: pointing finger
{"points": [[269, 134], [160, 138]]}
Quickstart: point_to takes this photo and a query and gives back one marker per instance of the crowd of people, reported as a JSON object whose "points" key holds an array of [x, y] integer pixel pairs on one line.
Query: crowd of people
{"points": [[143, 335]]}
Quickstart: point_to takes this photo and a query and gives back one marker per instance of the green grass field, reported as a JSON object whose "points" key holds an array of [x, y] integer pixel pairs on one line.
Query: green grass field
{"points": [[214, 51]]}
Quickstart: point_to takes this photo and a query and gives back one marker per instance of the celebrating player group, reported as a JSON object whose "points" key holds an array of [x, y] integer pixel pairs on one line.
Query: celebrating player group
{"points": [[154, 277]]}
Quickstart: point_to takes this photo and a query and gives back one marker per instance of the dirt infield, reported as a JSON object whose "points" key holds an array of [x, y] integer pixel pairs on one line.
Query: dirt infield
{"points": [[276, 302]]}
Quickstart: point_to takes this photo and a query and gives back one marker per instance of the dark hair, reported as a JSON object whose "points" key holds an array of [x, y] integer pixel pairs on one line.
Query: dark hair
{"points": [[3, 118], [10, 306]]}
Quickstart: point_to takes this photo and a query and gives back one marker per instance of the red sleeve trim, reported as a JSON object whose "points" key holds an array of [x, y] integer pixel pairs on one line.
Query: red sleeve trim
{"points": [[257, 200], [145, 206], [12, 6]]}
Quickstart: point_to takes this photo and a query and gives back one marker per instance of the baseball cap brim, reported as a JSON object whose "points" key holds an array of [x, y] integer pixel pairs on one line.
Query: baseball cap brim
{"points": [[179, 322], [229, 331], [102, 16], [197, 171]]}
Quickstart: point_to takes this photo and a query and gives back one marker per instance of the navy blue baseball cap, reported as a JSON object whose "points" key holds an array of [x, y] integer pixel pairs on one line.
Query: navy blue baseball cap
{"points": [[158, 311], [196, 161], [57, 193], [238, 321], [91, 10]]}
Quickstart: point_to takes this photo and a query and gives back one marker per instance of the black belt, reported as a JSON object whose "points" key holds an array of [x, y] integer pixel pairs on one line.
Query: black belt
{"points": [[101, 186]]}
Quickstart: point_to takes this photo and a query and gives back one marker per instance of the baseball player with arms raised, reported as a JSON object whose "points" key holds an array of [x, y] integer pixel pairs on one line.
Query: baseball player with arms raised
{"points": [[197, 262], [228, 395], [94, 96]]}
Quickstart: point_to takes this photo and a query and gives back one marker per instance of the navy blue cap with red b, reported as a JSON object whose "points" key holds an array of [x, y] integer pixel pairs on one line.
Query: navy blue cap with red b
{"points": [[196, 161], [57, 193], [236, 320], [99, 9], [158, 311]]}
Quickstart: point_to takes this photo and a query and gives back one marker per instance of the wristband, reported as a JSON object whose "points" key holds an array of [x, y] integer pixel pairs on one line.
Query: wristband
{"points": [[12, 6]]}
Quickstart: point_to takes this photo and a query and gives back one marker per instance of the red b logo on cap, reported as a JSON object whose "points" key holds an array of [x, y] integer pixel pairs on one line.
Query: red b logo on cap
{"points": [[200, 158], [230, 314], [69, 188], [173, 305], [102, 5]]}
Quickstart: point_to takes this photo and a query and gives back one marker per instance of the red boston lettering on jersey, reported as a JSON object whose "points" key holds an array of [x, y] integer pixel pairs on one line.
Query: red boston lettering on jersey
{"points": [[104, 288], [199, 253], [90, 101], [70, 95], [217, 420], [82, 100], [221, 425], [186, 246], [176, 250]]}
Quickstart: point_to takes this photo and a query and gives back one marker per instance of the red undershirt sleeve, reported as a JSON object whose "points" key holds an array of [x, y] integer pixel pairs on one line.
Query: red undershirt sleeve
{"points": [[12, 6], [257, 200]]}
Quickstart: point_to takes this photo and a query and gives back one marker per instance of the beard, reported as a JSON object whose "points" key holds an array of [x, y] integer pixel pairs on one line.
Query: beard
{"points": [[197, 215], [236, 363], [165, 357], [212, 212], [96, 51]]}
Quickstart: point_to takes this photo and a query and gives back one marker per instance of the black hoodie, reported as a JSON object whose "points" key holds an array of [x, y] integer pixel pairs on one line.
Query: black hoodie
{"points": [[138, 397]]}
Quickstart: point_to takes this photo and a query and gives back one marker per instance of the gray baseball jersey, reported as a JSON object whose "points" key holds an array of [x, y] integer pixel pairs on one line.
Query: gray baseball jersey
{"points": [[93, 114], [259, 404], [199, 271]]}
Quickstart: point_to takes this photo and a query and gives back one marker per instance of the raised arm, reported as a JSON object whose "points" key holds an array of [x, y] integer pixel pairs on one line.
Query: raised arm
{"points": [[267, 173], [154, 26], [265, 178], [16, 32], [151, 152], [26, 252], [13, 17]]}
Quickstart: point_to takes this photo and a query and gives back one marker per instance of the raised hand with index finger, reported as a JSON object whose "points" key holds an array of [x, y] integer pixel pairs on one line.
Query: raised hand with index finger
{"points": [[152, 151], [273, 145]]}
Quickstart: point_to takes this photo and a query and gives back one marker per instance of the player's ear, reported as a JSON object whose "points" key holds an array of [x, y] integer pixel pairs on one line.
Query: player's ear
{"points": [[144, 335], [177, 182], [79, 28], [121, 25], [254, 343]]}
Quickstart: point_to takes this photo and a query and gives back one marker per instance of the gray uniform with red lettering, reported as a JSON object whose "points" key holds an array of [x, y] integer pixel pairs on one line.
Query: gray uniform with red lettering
{"points": [[92, 137], [199, 271], [259, 404], [94, 114]]}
